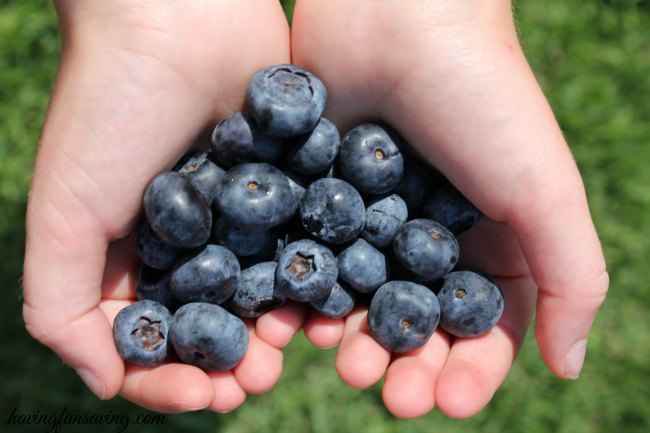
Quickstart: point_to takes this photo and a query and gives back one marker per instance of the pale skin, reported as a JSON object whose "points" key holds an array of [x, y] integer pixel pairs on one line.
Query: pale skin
{"points": [[137, 83]]}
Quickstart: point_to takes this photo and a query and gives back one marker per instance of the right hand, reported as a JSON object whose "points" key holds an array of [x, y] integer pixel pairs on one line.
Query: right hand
{"points": [[137, 82]]}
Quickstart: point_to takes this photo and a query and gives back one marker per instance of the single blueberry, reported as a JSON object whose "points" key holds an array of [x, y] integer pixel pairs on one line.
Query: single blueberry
{"points": [[363, 266], [306, 271], [384, 217], [237, 139], [154, 285], [370, 160], [451, 209], [255, 292], [337, 304], [414, 186], [470, 304], [315, 152], [176, 211], [255, 197], [285, 100], [207, 276], [239, 241], [203, 174], [140, 333], [208, 336], [332, 210], [152, 250], [426, 248], [403, 316]]}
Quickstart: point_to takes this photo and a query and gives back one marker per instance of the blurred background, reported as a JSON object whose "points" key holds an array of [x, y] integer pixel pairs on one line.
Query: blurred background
{"points": [[592, 57]]}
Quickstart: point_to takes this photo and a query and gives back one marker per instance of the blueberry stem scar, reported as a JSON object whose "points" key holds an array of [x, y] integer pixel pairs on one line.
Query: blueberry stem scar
{"points": [[148, 333], [301, 265]]}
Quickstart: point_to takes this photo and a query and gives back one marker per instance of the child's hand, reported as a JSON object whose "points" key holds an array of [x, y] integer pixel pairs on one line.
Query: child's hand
{"points": [[138, 81], [452, 79]]}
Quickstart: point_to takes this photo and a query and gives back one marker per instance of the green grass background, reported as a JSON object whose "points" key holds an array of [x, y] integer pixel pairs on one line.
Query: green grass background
{"points": [[592, 58]]}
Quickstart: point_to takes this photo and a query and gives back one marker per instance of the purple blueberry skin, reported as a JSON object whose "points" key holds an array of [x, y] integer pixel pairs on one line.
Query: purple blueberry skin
{"points": [[332, 210], [470, 304], [315, 152], [237, 139], [208, 275], [370, 160], [363, 267], [255, 197], [426, 248], [403, 316], [153, 251], [208, 336], [255, 292], [285, 100], [177, 213], [306, 271], [154, 285], [337, 304], [384, 217], [140, 333], [451, 209], [203, 174], [239, 241]]}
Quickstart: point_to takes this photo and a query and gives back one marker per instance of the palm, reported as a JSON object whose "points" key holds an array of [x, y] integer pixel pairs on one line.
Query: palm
{"points": [[453, 81], [132, 95]]}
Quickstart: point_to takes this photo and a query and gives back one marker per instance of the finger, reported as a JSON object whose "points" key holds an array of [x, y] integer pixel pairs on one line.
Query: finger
{"points": [[228, 394], [360, 360], [168, 388], [409, 388], [261, 366], [277, 327], [59, 309], [476, 367], [323, 332]]}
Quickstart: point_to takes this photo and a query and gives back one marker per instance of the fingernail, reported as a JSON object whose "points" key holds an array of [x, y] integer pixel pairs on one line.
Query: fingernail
{"points": [[92, 382], [575, 358]]}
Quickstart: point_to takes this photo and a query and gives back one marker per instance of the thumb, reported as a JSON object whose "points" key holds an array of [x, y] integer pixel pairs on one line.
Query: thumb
{"points": [[63, 270]]}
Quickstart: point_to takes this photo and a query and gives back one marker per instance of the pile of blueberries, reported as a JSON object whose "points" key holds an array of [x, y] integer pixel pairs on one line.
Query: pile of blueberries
{"points": [[284, 209]]}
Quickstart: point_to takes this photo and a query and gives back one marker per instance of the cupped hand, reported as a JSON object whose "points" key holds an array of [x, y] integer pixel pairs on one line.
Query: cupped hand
{"points": [[452, 79], [137, 82]]}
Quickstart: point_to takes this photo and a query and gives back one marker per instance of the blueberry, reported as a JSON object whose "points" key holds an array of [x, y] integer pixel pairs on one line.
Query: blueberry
{"points": [[415, 185], [337, 304], [306, 271], [363, 266], [255, 292], [154, 285], [315, 152], [239, 241], [207, 276], [255, 197], [384, 217], [140, 333], [178, 213], [285, 100], [237, 139], [203, 174], [426, 248], [332, 210], [152, 250], [403, 316], [470, 303], [370, 160], [451, 209], [208, 336]]}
